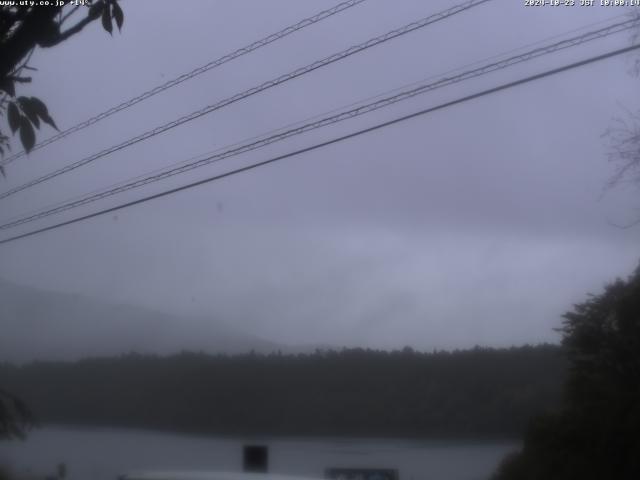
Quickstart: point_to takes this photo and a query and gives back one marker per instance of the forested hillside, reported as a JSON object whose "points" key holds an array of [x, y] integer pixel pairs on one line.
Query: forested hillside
{"points": [[479, 392], [594, 433]]}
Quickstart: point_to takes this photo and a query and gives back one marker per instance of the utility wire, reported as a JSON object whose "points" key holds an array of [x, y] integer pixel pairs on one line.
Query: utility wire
{"points": [[193, 73], [320, 115], [344, 115], [386, 92], [379, 126], [313, 117], [252, 91]]}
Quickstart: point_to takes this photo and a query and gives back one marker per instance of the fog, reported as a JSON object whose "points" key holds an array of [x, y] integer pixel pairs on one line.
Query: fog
{"points": [[478, 224]]}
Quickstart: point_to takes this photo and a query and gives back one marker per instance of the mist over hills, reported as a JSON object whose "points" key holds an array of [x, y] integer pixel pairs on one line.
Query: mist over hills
{"points": [[44, 325], [122, 365]]}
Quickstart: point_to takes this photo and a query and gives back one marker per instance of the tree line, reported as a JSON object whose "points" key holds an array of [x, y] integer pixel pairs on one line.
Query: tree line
{"points": [[477, 392]]}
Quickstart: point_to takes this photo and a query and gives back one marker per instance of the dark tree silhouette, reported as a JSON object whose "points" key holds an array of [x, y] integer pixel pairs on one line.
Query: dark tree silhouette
{"points": [[24, 28], [624, 139], [15, 417], [480, 392], [624, 153], [597, 433]]}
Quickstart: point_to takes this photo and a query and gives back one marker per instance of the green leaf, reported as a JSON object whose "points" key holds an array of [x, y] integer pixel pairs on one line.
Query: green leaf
{"points": [[49, 121], [27, 135], [41, 110], [118, 14], [29, 110], [13, 115], [95, 10], [106, 19]]}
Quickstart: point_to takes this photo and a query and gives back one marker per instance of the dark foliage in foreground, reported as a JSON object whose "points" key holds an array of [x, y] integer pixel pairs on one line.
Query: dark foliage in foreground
{"points": [[596, 435], [24, 27], [15, 416], [479, 392]]}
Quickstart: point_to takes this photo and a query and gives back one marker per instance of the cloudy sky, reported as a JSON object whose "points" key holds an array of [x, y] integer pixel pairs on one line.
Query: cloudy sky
{"points": [[478, 224]]}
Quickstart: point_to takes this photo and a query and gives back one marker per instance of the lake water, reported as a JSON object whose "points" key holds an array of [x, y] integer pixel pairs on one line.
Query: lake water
{"points": [[102, 454]]}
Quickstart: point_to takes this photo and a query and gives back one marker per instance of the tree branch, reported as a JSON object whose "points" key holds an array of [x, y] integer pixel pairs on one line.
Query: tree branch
{"points": [[20, 79], [68, 33], [68, 14]]}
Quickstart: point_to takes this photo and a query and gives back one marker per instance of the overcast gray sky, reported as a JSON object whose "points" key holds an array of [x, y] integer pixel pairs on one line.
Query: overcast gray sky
{"points": [[478, 224]]}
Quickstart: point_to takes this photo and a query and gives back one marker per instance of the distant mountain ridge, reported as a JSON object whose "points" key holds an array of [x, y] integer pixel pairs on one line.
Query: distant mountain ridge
{"points": [[43, 325]]}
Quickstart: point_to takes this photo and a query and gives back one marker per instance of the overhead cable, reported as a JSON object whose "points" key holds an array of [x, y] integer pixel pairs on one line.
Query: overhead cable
{"points": [[376, 127], [252, 91], [188, 76], [329, 120]]}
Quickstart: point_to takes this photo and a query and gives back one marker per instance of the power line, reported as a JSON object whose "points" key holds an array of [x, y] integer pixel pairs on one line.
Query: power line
{"points": [[193, 73], [252, 91], [344, 115], [313, 117], [332, 141], [210, 158]]}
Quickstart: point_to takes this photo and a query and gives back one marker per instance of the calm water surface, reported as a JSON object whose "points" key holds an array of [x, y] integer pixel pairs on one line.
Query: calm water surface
{"points": [[102, 454]]}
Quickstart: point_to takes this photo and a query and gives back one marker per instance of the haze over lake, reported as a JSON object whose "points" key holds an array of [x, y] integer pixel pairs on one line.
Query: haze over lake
{"points": [[102, 454]]}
